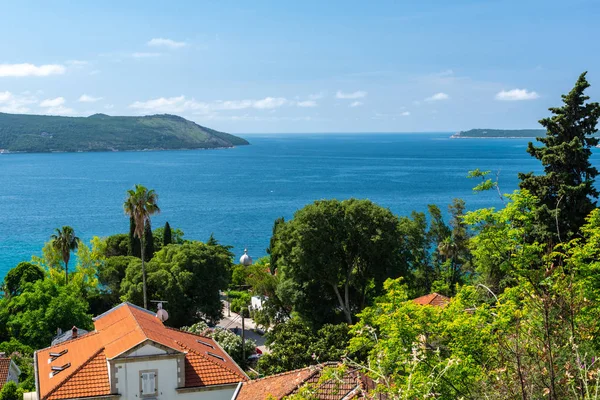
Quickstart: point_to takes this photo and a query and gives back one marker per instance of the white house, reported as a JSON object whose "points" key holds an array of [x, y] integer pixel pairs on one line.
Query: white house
{"points": [[132, 355]]}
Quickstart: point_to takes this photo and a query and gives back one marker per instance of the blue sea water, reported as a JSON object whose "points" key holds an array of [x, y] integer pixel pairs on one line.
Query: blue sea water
{"points": [[237, 193]]}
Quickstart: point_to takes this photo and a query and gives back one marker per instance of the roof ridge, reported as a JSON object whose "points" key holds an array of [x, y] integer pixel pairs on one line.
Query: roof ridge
{"points": [[208, 359], [61, 383], [190, 333], [282, 374], [84, 336]]}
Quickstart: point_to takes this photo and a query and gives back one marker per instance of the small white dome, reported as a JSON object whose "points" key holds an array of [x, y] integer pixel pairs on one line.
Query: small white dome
{"points": [[246, 259]]}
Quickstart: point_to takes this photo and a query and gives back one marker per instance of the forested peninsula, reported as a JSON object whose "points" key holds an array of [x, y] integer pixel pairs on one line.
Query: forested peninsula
{"points": [[499, 133], [101, 132]]}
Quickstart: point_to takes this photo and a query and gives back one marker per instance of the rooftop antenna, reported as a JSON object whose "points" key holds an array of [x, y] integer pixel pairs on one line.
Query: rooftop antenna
{"points": [[161, 314]]}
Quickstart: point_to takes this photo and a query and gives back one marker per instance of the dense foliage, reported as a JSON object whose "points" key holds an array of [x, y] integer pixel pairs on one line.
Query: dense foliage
{"points": [[566, 189], [229, 341], [99, 132]]}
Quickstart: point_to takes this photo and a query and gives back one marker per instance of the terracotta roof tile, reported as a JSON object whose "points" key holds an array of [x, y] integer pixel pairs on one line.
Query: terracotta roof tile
{"points": [[433, 299], [90, 380], [279, 386], [4, 366], [117, 331]]}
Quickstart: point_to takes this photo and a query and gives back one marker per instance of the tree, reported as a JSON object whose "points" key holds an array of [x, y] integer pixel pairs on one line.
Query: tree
{"points": [[134, 246], [294, 345], [335, 255], [566, 189], [22, 355], [167, 236], [279, 222], [9, 391], [117, 245], [188, 276], [229, 341], [148, 242], [65, 242], [140, 204], [16, 279], [110, 275], [34, 315]]}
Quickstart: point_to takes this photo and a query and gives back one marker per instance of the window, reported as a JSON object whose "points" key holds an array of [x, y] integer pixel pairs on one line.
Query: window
{"points": [[148, 384]]}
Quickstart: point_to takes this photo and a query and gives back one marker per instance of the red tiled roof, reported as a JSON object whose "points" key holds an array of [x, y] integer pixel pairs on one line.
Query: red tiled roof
{"points": [[281, 385], [433, 299], [88, 381], [4, 366], [117, 331]]}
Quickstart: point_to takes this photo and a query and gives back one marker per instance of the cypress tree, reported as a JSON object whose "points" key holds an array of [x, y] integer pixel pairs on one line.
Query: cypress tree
{"points": [[566, 189], [167, 235], [148, 242], [134, 246]]}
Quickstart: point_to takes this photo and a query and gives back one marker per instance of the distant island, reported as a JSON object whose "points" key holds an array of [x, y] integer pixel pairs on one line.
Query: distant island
{"points": [[499, 133], [101, 132]]}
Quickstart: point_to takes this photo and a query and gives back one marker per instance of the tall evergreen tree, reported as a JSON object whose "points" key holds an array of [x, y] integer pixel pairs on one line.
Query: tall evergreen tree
{"points": [[566, 189], [167, 234], [134, 247], [148, 241]]}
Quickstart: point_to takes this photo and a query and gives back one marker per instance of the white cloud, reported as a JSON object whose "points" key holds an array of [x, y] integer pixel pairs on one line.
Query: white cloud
{"points": [[405, 113], [359, 94], [20, 70], [516, 95], [181, 104], [356, 104], [438, 97], [16, 104], [316, 96], [162, 42], [306, 103], [77, 63], [56, 102], [145, 55], [88, 99], [269, 103], [59, 110]]}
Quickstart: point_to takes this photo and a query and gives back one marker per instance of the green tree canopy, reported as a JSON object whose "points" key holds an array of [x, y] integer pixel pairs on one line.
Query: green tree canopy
{"points": [[188, 276], [16, 279], [566, 189], [34, 316], [335, 256], [294, 345]]}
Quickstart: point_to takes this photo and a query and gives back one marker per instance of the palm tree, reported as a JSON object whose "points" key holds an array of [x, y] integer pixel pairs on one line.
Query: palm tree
{"points": [[65, 242], [140, 204]]}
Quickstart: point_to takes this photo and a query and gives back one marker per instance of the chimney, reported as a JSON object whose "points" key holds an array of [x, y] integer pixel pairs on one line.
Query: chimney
{"points": [[58, 331], [74, 333]]}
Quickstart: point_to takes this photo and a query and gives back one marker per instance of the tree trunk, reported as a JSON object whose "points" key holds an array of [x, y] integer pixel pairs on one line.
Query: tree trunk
{"points": [[66, 272], [143, 273], [346, 310]]}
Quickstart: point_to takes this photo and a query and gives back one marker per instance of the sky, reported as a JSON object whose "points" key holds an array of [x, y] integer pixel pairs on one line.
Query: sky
{"points": [[300, 66]]}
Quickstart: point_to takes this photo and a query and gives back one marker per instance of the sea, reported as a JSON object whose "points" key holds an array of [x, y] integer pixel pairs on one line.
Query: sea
{"points": [[236, 194]]}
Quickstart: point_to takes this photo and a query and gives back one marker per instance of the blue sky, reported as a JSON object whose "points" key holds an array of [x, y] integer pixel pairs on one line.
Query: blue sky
{"points": [[303, 66]]}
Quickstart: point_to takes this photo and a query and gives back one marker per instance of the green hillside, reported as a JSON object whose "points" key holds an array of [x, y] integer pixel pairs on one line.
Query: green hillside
{"points": [[100, 132], [500, 133]]}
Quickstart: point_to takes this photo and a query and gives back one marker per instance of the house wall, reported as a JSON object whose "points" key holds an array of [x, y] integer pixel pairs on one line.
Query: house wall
{"points": [[127, 383]]}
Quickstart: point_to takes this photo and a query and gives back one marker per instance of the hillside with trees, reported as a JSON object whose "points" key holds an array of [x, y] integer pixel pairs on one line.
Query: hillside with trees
{"points": [[100, 132]]}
